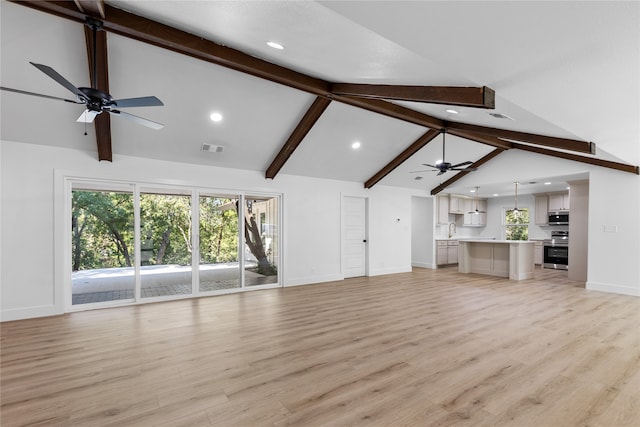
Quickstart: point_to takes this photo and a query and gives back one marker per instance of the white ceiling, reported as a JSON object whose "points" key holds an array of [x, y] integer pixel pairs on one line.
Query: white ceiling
{"points": [[565, 69]]}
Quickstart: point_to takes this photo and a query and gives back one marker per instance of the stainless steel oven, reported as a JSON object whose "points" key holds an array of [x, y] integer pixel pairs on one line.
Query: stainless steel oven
{"points": [[558, 218], [556, 251]]}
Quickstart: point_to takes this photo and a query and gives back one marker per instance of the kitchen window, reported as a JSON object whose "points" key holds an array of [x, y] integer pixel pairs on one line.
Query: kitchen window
{"points": [[516, 224]]}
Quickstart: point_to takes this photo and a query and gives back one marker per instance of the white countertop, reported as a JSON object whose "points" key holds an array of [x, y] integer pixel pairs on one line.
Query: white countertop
{"points": [[495, 241]]}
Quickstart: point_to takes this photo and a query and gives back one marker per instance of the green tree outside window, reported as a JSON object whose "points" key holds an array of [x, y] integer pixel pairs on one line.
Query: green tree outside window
{"points": [[517, 224]]}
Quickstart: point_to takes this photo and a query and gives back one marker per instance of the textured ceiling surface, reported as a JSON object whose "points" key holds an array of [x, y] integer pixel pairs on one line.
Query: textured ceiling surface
{"points": [[564, 69]]}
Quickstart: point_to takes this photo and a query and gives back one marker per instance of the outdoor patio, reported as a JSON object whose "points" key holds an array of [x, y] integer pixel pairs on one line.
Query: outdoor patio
{"points": [[110, 284]]}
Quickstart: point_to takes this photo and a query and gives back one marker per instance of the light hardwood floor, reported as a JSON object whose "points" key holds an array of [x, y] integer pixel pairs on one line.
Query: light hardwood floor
{"points": [[427, 348]]}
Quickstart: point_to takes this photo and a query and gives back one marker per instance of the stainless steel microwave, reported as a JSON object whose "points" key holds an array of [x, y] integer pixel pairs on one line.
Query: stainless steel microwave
{"points": [[559, 218]]}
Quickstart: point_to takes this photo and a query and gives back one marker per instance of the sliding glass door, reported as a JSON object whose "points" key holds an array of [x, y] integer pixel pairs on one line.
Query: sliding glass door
{"points": [[135, 242], [262, 248], [219, 266], [165, 244], [102, 245]]}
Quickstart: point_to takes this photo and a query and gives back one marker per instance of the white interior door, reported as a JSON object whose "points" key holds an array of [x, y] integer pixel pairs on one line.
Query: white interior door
{"points": [[355, 236]]}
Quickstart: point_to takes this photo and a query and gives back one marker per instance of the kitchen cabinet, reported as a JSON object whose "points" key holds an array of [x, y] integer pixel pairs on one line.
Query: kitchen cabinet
{"points": [[475, 219], [542, 210], [446, 252], [537, 252], [559, 202], [443, 209], [456, 204]]}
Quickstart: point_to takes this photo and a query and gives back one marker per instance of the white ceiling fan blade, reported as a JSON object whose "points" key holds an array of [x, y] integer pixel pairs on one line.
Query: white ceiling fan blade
{"points": [[87, 116]]}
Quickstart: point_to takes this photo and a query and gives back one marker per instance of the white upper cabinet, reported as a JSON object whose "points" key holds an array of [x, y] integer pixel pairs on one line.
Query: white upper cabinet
{"points": [[558, 202], [443, 209], [542, 210], [456, 204]]}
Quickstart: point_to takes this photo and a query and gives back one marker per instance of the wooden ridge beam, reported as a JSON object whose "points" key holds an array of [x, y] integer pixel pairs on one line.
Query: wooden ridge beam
{"points": [[589, 160], [480, 97], [549, 141], [91, 7], [461, 174], [304, 126], [390, 109], [482, 139], [402, 157]]}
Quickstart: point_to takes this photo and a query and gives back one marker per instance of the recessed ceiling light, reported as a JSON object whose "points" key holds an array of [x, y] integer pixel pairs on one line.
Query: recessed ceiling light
{"points": [[547, 183], [472, 191], [568, 188], [275, 45], [215, 117], [451, 111], [355, 145], [438, 161], [495, 194]]}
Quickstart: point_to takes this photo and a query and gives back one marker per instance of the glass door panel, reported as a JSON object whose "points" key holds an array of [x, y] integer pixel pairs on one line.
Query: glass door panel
{"points": [[219, 267], [261, 224], [165, 246], [102, 248]]}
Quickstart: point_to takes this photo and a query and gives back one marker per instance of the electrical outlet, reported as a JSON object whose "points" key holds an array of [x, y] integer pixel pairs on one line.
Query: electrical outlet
{"points": [[610, 228]]}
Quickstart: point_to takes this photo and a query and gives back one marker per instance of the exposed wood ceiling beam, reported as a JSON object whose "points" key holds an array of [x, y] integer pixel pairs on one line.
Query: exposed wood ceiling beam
{"points": [[304, 126], [148, 31], [395, 111], [136, 27], [461, 174], [102, 122], [91, 7], [549, 141], [480, 97], [410, 151], [482, 139], [589, 160]]}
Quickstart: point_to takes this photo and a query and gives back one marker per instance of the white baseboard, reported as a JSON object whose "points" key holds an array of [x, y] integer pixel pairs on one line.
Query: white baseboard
{"points": [[383, 271], [423, 265], [310, 280], [29, 313], [614, 289]]}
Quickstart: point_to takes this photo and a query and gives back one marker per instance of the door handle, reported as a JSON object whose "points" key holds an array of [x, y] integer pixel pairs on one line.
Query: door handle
{"points": [[364, 241]]}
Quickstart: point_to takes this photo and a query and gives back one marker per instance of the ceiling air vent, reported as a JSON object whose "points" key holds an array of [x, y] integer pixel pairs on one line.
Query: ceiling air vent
{"points": [[212, 148], [418, 178], [500, 116]]}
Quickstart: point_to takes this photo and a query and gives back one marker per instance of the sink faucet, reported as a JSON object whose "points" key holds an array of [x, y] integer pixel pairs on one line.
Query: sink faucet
{"points": [[452, 225]]}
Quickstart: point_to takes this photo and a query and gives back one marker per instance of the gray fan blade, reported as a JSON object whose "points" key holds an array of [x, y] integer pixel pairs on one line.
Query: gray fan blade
{"points": [[24, 92], [58, 78], [145, 101], [440, 173], [139, 120], [461, 164], [88, 116], [464, 169]]}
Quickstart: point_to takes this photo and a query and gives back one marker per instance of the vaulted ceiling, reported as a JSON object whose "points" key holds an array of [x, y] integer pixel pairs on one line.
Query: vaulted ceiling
{"points": [[382, 73]]}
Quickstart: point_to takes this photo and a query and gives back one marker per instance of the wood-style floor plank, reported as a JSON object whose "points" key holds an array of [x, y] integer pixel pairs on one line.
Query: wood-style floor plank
{"points": [[426, 348]]}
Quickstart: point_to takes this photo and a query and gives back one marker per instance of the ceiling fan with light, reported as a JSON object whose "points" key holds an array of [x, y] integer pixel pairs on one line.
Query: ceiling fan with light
{"points": [[95, 100], [443, 166]]}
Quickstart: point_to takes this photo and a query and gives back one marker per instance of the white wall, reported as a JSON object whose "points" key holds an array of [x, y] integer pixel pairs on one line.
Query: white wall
{"points": [[31, 215], [422, 232]]}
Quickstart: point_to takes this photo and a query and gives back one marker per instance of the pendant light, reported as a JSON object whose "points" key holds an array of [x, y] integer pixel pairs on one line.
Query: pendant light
{"points": [[477, 211], [515, 210]]}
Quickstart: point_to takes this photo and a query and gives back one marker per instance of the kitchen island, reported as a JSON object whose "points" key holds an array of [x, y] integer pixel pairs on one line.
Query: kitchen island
{"points": [[504, 258]]}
